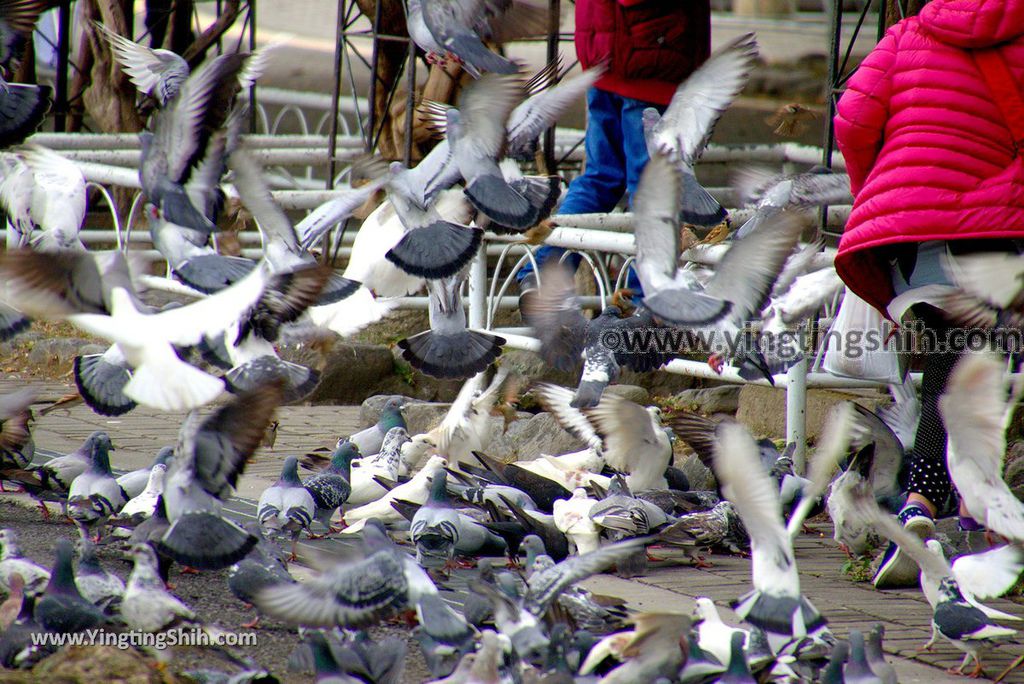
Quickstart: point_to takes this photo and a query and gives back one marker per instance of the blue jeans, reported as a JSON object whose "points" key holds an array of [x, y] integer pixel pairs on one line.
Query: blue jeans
{"points": [[616, 154]]}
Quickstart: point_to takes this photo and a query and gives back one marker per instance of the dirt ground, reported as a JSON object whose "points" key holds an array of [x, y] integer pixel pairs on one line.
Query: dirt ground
{"points": [[206, 593]]}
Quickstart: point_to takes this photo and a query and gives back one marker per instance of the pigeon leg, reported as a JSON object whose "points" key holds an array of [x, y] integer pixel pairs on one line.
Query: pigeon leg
{"points": [[252, 624], [927, 646], [699, 562], [45, 511], [188, 570], [294, 556]]}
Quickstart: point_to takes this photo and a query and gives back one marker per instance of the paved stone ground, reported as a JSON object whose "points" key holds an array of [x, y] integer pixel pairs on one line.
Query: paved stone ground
{"points": [[848, 605]]}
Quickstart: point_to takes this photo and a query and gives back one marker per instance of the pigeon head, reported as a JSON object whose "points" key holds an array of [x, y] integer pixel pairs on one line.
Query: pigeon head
{"points": [[705, 609], [87, 559], [534, 546], [391, 415], [650, 118], [290, 472], [949, 590], [164, 457], [156, 477], [618, 486], [144, 556], [62, 577], [98, 441], [439, 487], [341, 459], [323, 659], [375, 536]]}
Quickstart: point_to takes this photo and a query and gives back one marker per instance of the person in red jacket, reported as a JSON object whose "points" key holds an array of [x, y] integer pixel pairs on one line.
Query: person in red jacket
{"points": [[928, 135], [649, 46]]}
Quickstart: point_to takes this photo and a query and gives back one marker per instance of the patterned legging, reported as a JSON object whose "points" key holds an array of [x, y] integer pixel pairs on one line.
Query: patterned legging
{"points": [[927, 474]]}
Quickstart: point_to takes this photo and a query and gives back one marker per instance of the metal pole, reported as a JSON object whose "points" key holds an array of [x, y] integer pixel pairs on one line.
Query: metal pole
{"points": [[835, 37], [478, 290], [63, 64], [554, 28], [371, 136], [796, 412], [410, 102], [252, 48], [339, 49]]}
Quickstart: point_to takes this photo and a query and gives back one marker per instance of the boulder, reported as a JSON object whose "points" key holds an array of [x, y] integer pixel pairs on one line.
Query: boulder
{"points": [[1014, 470], [370, 410], [529, 438], [349, 372], [720, 399], [56, 351], [633, 393]]}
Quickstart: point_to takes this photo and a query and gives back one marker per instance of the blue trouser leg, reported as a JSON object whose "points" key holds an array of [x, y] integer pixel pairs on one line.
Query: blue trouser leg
{"points": [[600, 186]]}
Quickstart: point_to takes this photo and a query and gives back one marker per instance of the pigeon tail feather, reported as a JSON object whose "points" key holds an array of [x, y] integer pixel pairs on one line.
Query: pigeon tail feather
{"points": [[102, 384], [461, 355], [206, 541]]}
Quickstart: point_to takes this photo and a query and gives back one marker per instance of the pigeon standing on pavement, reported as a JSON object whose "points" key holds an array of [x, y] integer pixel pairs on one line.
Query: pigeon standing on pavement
{"points": [[286, 507], [13, 562], [330, 488], [95, 495], [210, 456], [61, 607], [97, 585], [134, 482], [147, 606], [440, 532], [264, 566]]}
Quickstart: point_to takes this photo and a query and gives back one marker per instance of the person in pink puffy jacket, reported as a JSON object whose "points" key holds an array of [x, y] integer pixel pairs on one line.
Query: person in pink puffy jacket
{"points": [[928, 134]]}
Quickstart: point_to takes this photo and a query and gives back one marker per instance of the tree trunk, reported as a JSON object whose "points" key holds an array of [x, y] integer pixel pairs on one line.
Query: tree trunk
{"points": [[110, 97], [898, 9]]}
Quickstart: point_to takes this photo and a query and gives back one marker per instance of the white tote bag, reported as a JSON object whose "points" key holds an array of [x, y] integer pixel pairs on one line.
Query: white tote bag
{"points": [[858, 345]]}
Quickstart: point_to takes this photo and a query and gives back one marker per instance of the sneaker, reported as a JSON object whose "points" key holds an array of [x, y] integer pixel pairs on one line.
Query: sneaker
{"points": [[897, 569]]}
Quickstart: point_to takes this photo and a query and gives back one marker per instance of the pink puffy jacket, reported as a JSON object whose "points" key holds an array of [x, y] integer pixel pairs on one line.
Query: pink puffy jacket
{"points": [[928, 151]]}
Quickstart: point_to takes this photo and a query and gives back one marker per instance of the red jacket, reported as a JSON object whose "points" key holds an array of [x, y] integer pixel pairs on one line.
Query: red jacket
{"points": [[929, 153], [651, 45]]}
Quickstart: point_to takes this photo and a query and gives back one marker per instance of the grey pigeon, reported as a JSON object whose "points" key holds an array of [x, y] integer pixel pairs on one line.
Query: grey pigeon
{"points": [[22, 106], [683, 131], [458, 27], [857, 669], [147, 606], [151, 531], [772, 192], [286, 507], [94, 496], [832, 673], [58, 473], [450, 349], [738, 672], [101, 379], [61, 608], [12, 561], [776, 603], [443, 635], [331, 487], [370, 440], [20, 644], [180, 134], [16, 445], [134, 482], [555, 314], [264, 566], [97, 585], [621, 516], [718, 528], [158, 73], [353, 594], [876, 656], [210, 456], [440, 532], [353, 659], [476, 133], [742, 280]]}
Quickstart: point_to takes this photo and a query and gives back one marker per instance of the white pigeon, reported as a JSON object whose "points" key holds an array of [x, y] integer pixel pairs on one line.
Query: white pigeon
{"points": [[415, 490], [986, 575], [12, 562], [713, 635], [572, 518], [58, 199], [467, 426], [635, 443], [144, 504], [975, 410], [147, 606]]}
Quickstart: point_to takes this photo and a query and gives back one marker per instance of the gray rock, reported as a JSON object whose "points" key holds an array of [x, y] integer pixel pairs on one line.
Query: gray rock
{"points": [[369, 410], [529, 438], [633, 393], [1014, 471], [55, 350], [700, 477], [721, 399], [91, 349], [349, 373]]}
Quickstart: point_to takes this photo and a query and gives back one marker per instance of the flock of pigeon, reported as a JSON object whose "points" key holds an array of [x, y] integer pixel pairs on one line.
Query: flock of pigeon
{"points": [[555, 519]]}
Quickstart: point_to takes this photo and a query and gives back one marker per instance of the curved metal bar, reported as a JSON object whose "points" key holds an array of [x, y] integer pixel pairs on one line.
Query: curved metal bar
{"points": [[622, 279], [492, 310], [285, 111], [112, 207], [136, 201], [595, 272], [261, 116]]}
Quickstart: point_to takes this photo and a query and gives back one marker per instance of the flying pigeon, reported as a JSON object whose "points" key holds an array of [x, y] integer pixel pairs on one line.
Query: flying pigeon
{"points": [[635, 443], [775, 604], [286, 506], [353, 594], [42, 189], [976, 411], [554, 313], [964, 625], [22, 106], [467, 425], [450, 349], [683, 131], [460, 27], [772, 192], [210, 456], [16, 445]]}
